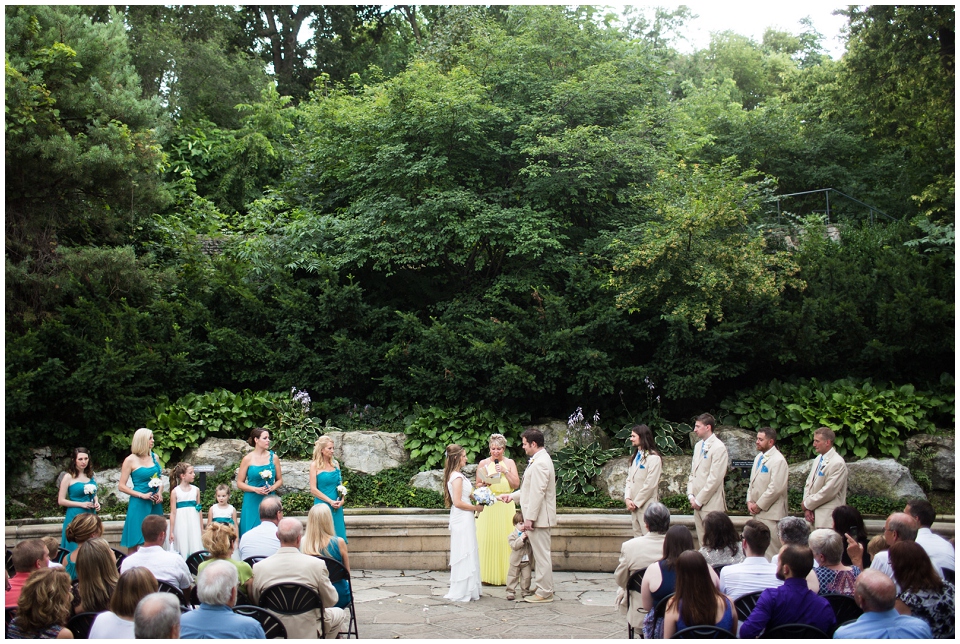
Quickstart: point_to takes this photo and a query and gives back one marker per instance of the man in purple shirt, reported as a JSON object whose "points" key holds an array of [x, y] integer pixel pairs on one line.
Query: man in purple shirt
{"points": [[793, 602]]}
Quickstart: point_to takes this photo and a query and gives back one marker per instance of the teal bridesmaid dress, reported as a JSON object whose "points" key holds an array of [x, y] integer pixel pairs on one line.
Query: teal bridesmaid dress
{"points": [[250, 510], [75, 493], [327, 483], [139, 509]]}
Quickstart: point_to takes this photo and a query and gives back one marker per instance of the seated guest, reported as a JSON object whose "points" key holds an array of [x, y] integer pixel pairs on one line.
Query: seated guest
{"points": [[755, 573], [117, 623], [44, 606], [922, 593], [84, 527], [157, 616], [720, 546], [321, 539], [793, 531], [215, 619], [219, 539], [876, 595], [793, 602], [262, 541], [28, 556], [166, 566], [848, 520], [875, 546], [899, 527], [289, 565], [660, 580], [96, 575], [697, 602], [939, 550], [639, 553], [53, 549], [833, 576]]}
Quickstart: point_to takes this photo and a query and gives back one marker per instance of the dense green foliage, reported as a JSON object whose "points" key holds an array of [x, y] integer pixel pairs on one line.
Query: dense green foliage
{"points": [[469, 427], [512, 210]]}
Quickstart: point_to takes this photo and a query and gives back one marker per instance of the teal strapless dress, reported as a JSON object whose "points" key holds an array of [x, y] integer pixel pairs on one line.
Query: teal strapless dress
{"points": [[139, 509], [75, 493], [250, 510], [342, 586], [327, 483]]}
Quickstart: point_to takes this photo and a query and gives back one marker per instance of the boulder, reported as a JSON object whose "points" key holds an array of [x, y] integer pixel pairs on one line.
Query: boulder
{"points": [[557, 435], [433, 479], [109, 482], [741, 444], [673, 479], [296, 477], [222, 453], [45, 469], [934, 455], [870, 477], [369, 452]]}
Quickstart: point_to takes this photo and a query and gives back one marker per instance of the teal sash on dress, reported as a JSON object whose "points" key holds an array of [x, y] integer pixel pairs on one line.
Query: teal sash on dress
{"points": [[226, 520]]}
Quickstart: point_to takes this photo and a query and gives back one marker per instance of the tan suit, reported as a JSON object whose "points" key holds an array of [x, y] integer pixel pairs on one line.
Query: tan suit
{"points": [[642, 487], [519, 569], [707, 469], [826, 488], [538, 502], [289, 565], [768, 489], [636, 554]]}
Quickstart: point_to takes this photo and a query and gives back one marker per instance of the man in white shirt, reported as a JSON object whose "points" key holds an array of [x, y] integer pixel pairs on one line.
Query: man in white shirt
{"points": [[900, 526], [755, 573], [939, 549], [262, 541], [166, 566]]}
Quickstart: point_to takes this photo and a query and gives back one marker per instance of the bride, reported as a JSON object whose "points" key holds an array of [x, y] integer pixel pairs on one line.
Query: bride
{"points": [[464, 554]]}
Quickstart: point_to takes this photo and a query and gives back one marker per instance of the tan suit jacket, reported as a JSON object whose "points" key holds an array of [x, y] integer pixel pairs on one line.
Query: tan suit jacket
{"points": [[707, 469], [538, 492], [643, 482], [768, 489], [289, 565], [826, 488], [636, 554]]}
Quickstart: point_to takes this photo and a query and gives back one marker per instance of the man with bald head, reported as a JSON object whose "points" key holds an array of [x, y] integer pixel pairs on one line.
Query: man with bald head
{"points": [[876, 595], [900, 526], [289, 565]]}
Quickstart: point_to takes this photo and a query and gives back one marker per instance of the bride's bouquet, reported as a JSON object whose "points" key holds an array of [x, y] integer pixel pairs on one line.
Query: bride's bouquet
{"points": [[483, 496]]}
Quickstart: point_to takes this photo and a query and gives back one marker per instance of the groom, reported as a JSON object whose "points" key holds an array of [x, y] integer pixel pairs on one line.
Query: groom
{"points": [[538, 502]]}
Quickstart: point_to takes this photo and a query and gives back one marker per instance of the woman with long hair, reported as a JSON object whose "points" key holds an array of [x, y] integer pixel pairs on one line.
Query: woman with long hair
{"points": [[83, 528], [643, 476], [78, 492], [220, 539], [721, 545], [923, 593], [96, 575], [697, 601], [499, 473], [43, 608], [834, 577], [259, 474], [321, 539], [464, 555], [117, 623], [325, 478], [140, 478], [848, 520]]}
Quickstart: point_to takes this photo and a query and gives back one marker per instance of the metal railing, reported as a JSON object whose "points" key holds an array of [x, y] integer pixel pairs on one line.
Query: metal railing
{"points": [[826, 192]]}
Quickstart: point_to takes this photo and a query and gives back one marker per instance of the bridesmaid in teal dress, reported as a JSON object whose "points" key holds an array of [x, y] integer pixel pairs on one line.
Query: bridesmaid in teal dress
{"points": [[137, 473], [259, 475], [324, 480], [75, 492]]}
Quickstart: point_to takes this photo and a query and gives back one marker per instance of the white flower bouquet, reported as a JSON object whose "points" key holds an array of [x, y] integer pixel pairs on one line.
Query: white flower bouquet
{"points": [[155, 482], [90, 489], [483, 496], [342, 491]]}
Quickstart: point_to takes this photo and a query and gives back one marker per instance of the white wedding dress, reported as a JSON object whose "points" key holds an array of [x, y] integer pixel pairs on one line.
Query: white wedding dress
{"points": [[464, 553]]}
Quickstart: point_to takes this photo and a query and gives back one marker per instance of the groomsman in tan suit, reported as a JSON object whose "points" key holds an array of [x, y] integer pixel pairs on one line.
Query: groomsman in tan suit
{"points": [[643, 478], [538, 502], [826, 486], [709, 466], [767, 494]]}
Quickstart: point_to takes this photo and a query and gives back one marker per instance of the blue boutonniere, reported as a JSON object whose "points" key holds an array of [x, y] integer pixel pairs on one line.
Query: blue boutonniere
{"points": [[764, 469]]}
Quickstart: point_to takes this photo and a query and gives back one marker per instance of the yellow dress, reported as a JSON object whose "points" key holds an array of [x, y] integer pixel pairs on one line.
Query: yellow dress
{"points": [[493, 527]]}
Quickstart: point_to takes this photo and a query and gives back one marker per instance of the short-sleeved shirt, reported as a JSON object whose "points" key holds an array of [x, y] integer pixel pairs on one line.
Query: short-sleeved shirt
{"points": [[209, 622]]}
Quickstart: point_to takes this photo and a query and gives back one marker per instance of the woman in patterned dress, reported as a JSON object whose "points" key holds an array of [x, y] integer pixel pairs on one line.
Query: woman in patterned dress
{"points": [[922, 593]]}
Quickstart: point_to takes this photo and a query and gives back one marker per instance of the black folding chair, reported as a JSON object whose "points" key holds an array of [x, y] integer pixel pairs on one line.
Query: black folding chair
{"points": [[273, 628], [293, 599], [80, 625], [61, 553], [9, 561], [659, 611], [338, 573], [197, 558], [633, 584], [746, 604], [718, 568], [10, 613], [120, 557], [704, 633], [164, 587], [252, 560], [794, 632], [844, 608], [949, 574]]}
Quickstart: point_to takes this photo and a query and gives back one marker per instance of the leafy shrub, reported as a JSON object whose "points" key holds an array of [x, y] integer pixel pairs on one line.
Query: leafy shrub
{"points": [[469, 427], [296, 431], [868, 419], [678, 504], [577, 466]]}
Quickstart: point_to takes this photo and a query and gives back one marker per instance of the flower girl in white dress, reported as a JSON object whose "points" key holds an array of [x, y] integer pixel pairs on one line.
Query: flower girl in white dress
{"points": [[186, 518], [464, 553]]}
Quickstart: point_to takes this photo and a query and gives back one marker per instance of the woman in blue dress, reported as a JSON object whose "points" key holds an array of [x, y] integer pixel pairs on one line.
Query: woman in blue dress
{"points": [[325, 479], [259, 475], [697, 601], [320, 539], [78, 492], [140, 478]]}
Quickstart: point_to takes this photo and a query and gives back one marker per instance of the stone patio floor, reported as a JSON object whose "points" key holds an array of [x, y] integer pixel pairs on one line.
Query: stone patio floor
{"points": [[409, 604]]}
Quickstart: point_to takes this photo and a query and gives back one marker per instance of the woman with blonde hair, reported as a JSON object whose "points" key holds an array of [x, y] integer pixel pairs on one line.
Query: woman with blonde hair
{"points": [[140, 478], [220, 539], [834, 577], [496, 523], [96, 575], [325, 479], [464, 555], [320, 539], [83, 528], [43, 608], [117, 623]]}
